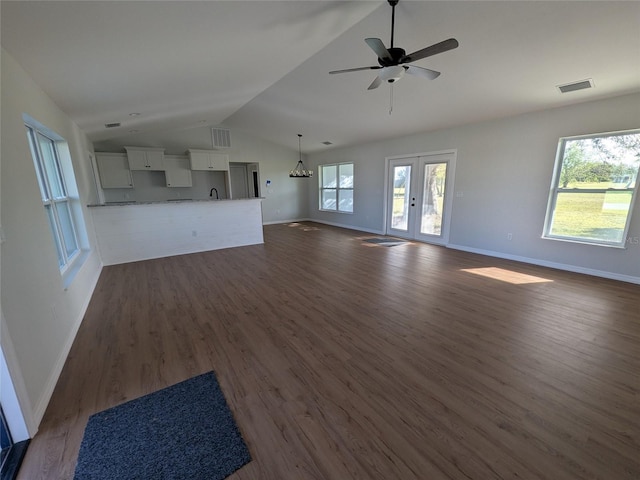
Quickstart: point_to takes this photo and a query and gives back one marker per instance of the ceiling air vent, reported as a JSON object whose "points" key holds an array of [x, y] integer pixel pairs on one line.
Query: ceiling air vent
{"points": [[572, 87], [112, 125], [220, 138]]}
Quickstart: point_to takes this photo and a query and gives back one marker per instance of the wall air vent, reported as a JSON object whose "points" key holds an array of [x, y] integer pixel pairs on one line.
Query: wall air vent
{"points": [[573, 86], [112, 125], [220, 138]]}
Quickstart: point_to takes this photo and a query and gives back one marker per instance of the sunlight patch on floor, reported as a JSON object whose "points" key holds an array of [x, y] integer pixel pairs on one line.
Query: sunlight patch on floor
{"points": [[504, 275], [302, 226]]}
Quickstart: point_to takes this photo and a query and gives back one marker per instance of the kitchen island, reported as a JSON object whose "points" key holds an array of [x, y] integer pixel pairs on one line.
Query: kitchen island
{"points": [[132, 231]]}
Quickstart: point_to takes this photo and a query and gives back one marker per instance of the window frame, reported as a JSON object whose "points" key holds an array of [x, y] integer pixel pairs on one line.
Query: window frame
{"points": [[337, 188], [556, 189], [51, 202]]}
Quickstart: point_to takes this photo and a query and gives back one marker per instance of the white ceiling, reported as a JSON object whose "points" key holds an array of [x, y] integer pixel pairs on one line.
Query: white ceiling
{"points": [[263, 66]]}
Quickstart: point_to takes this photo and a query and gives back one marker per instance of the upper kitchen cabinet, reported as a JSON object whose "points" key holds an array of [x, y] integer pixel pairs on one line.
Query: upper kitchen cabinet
{"points": [[113, 169], [142, 158], [208, 160], [177, 172]]}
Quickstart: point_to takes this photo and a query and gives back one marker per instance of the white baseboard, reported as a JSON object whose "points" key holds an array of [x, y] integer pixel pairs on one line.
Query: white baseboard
{"points": [[350, 227], [41, 406], [280, 222], [333, 224], [545, 263]]}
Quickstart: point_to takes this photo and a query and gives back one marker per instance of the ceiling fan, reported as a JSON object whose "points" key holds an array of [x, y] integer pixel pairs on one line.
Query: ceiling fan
{"points": [[393, 61]]}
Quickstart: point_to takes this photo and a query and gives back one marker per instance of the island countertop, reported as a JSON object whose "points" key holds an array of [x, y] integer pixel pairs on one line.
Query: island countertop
{"points": [[172, 200]]}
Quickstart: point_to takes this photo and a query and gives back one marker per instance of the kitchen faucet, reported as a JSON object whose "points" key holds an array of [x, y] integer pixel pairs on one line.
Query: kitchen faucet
{"points": [[211, 193]]}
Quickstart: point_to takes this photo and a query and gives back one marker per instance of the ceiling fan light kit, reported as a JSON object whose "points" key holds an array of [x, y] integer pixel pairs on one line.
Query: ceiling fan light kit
{"points": [[391, 74], [394, 62]]}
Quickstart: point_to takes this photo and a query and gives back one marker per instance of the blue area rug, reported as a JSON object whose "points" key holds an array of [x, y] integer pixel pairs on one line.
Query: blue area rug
{"points": [[185, 431]]}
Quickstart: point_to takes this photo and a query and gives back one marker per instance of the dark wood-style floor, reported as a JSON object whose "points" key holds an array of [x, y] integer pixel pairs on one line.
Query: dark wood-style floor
{"points": [[346, 360]]}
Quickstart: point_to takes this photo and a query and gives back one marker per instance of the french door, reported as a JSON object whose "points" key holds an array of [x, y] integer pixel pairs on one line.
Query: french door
{"points": [[419, 191]]}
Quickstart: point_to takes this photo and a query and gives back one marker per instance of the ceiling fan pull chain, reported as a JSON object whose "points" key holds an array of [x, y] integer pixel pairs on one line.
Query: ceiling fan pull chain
{"points": [[390, 98]]}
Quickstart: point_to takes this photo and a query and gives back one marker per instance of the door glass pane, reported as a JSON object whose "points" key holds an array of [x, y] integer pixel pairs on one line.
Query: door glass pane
{"points": [[401, 192], [433, 198]]}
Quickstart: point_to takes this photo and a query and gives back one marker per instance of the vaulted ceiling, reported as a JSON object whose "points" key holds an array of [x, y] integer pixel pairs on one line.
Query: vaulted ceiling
{"points": [[262, 66]]}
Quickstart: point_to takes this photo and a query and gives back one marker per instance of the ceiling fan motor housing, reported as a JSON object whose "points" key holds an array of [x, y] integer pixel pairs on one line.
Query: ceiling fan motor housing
{"points": [[395, 53]]}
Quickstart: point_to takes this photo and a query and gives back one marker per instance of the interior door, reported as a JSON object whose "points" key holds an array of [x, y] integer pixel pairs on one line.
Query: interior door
{"points": [[419, 204]]}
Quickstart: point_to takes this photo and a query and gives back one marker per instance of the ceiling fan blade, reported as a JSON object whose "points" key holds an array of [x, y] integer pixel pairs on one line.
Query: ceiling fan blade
{"points": [[378, 47], [376, 67], [422, 72], [435, 49], [375, 84]]}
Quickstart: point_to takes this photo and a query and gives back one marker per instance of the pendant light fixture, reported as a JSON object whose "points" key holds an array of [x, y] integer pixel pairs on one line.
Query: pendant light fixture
{"points": [[300, 171]]}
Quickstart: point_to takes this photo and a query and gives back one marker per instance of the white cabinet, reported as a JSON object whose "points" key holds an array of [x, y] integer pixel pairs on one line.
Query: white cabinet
{"points": [[113, 169], [177, 172], [145, 158], [208, 160]]}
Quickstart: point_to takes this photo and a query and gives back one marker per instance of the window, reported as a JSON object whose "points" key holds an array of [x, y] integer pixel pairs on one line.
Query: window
{"points": [[336, 187], [58, 203], [594, 188]]}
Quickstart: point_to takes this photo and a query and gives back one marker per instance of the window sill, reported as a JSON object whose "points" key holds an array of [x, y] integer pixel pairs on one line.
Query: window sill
{"points": [[584, 242], [334, 211]]}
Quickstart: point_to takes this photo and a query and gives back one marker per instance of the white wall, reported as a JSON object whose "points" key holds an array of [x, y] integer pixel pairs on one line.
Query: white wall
{"points": [[284, 199], [504, 170], [40, 315]]}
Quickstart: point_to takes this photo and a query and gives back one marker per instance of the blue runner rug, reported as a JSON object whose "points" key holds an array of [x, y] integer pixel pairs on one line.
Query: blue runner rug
{"points": [[185, 431]]}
